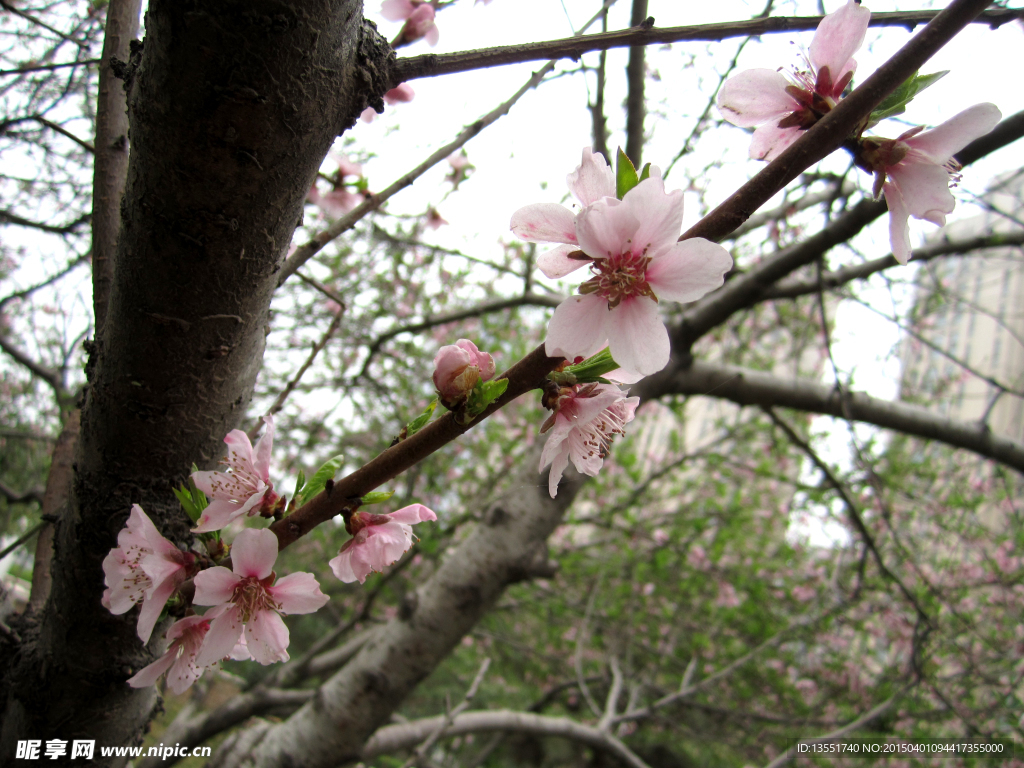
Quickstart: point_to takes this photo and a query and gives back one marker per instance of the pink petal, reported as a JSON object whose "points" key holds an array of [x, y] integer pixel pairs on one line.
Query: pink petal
{"points": [[691, 269], [218, 514], [414, 513], [239, 451], [660, 215], [387, 543], [220, 640], [400, 94], [558, 465], [148, 676], [215, 586], [838, 37], [544, 223], [944, 141], [254, 552], [925, 189], [396, 10], [592, 179], [606, 228], [368, 115], [637, 337], [139, 522], [623, 376], [432, 35], [152, 607], [754, 97], [556, 442], [556, 262], [899, 223], [578, 327], [160, 569], [344, 568], [266, 637], [298, 593], [770, 141]]}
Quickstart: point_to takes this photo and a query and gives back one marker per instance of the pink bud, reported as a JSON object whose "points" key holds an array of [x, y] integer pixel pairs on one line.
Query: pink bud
{"points": [[457, 369]]}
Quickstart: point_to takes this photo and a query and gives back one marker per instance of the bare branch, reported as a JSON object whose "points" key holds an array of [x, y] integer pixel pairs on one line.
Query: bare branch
{"points": [[6, 217], [57, 128], [46, 67], [20, 497], [636, 78], [26, 292], [432, 65], [749, 387], [392, 738], [51, 377]]}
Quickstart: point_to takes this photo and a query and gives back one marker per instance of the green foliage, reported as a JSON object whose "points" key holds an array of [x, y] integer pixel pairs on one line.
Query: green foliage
{"points": [[896, 102]]}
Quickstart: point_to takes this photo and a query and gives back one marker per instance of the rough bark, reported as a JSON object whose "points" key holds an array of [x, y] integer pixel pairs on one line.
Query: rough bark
{"points": [[636, 76], [233, 105]]}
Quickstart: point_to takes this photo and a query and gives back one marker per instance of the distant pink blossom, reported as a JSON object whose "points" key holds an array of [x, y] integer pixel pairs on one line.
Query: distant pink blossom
{"points": [[377, 541], [633, 251], [337, 202], [458, 368], [246, 488], [914, 171], [586, 419], [253, 601], [418, 16], [179, 661], [144, 568], [784, 106], [434, 219], [400, 94]]}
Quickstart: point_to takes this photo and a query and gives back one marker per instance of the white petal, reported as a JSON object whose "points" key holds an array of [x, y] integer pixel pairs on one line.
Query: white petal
{"points": [[924, 188], [592, 179], [253, 553], [637, 337], [556, 262], [770, 141], [690, 270], [838, 37], [660, 215], [220, 640], [558, 465], [899, 224], [944, 141], [264, 447], [544, 223], [577, 327], [606, 228], [754, 97]]}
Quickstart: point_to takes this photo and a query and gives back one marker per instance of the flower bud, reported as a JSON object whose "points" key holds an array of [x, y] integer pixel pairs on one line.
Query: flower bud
{"points": [[458, 368]]}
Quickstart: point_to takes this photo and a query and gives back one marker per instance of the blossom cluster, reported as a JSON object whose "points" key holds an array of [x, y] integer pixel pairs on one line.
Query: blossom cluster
{"points": [[913, 171], [246, 602]]}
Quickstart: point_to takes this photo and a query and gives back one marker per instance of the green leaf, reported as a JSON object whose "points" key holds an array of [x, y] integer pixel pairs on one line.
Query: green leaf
{"points": [[319, 480], [192, 500], [300, 482], [625, 174], [420, 421], [376, 497], [646, 172], [896, 102]]}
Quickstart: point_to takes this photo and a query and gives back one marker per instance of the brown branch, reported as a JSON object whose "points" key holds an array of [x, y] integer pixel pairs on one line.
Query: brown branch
{"points": [[433, 65], [636, 77], [744, 386], [12, 496], [51, 377], [294, 381], [46, 67], [111, 164], [6, 217], [25, 292], [57, 128]]}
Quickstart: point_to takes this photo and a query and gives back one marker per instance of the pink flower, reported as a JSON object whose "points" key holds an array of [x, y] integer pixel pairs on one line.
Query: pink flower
{"points": [[144, 568], [179, 661], [784, 107], [636, 259], [377, 541], [586, 419], [345, 166], [919, 167], [419, 20], [434, 219], [400, 94], [335, 203], [246, 489], [457, 369], [254, 602], [592, 180]]}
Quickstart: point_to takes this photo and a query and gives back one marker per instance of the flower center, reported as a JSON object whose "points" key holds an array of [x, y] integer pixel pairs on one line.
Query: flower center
{"points": [[252, 597], [620, 277], [600, 433]]}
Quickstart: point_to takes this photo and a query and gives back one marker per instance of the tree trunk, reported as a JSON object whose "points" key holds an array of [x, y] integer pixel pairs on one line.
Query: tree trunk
{"points": [[233, 105]]}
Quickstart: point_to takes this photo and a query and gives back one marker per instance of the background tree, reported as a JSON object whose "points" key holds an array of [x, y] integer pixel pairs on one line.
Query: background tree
{"points": [[658, 614]]}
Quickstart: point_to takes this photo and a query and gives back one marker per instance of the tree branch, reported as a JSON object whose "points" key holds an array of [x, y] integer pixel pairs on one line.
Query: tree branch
{"points": [[392, 738], [636, 77], [6, 217], [744, 386], [433, 65], [51, 377]]}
